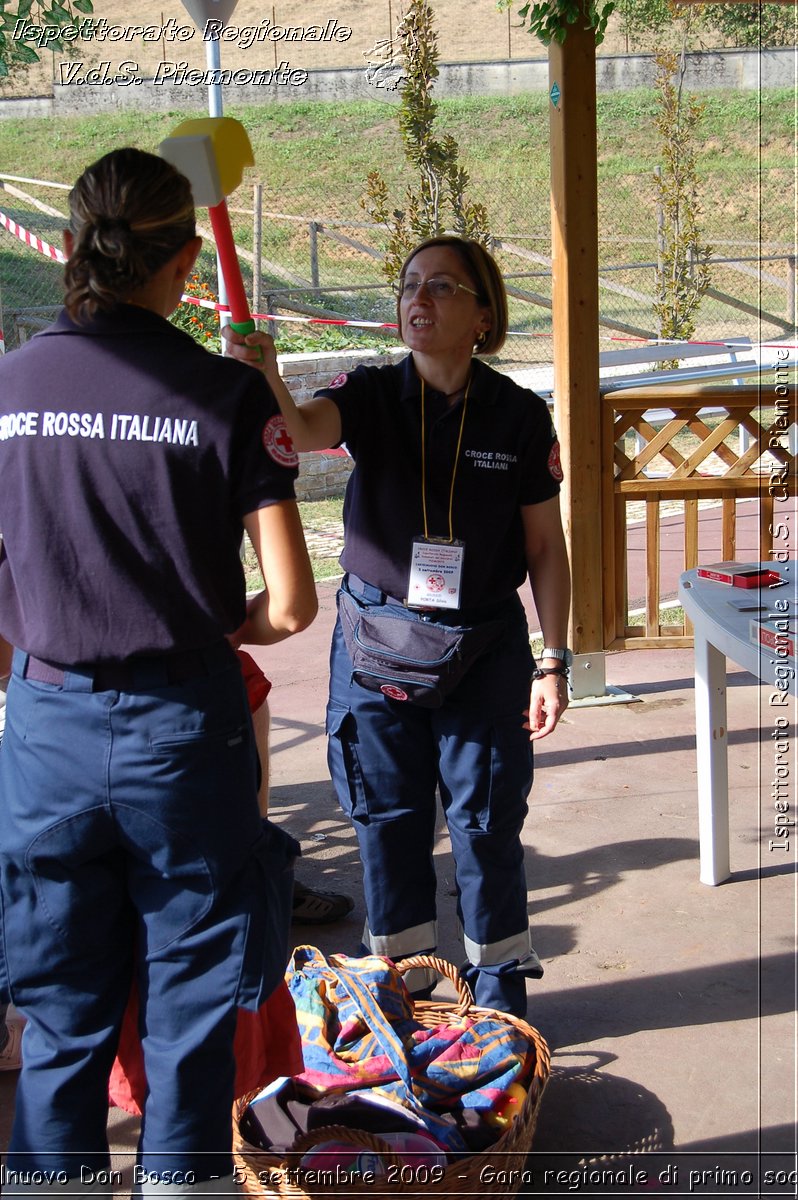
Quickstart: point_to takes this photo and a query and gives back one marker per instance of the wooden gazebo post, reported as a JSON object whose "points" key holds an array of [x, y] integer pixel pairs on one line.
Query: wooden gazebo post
{"points": [[574, 219]]}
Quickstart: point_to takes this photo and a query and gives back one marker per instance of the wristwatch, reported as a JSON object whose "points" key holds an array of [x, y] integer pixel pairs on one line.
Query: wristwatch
{"points": [[563, 653]]}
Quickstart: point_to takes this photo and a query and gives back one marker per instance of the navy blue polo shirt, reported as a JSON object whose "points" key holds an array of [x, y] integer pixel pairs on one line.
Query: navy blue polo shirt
{"points": [[128, 457], [508, 458]]}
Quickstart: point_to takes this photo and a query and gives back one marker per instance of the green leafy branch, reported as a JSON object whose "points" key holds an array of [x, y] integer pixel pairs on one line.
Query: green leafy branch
{"points": [[441, 190], [683, 273], [549, 20], [16, 51]]}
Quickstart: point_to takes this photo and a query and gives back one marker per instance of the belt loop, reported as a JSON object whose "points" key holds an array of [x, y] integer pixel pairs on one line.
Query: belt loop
{"points": [[365, 591], [78, 679], [19, 663]]}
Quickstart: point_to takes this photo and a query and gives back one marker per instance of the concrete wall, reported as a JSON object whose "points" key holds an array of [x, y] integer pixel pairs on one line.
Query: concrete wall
{"points": [[717, 69], [322, 475]]}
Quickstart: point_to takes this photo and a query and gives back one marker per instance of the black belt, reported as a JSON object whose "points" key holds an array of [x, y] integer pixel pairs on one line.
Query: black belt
{"points": [[371, 594], [155, 671], [446, 616]]}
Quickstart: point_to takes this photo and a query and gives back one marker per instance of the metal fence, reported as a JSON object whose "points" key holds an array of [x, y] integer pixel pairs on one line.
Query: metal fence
{"points": [[327, 263]]}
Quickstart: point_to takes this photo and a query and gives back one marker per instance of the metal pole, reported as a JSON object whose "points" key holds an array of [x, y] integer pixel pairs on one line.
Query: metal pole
{"points": [[660, 244], [314, 253], [213, 60], [271, 307], [201, 11], [257, 245]]}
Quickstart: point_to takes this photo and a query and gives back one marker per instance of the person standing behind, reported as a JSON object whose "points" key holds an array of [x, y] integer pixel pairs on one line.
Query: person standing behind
{"points": [[10, 1027], [448, 453], [130, 840], [309, 905]]}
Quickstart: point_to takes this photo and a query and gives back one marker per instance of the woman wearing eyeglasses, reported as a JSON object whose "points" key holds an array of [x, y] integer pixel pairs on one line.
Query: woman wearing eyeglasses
{"points": [[452, 504]]}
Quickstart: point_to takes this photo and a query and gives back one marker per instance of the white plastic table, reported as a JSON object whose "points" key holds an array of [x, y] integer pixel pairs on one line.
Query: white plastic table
{"points": [[721, 632]]}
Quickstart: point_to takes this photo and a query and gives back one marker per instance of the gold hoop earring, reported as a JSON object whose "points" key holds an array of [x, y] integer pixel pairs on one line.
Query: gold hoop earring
{"points": [[482, 338]]}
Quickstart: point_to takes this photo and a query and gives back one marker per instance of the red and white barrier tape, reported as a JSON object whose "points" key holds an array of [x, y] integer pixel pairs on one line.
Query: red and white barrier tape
{"points": [[213, 304], [730, 345], [30, 239], [52, 252], [57, 255]]}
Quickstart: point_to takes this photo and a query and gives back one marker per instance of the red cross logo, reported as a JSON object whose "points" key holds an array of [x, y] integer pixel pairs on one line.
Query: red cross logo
{"points": [[277, 442], [555, 466]]}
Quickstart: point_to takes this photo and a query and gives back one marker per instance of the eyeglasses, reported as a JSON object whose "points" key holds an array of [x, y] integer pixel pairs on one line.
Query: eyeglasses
{"points": [[438, 289]]}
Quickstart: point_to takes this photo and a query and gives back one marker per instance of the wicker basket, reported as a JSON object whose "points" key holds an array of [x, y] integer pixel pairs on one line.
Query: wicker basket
{"points": [[268, 1176]]}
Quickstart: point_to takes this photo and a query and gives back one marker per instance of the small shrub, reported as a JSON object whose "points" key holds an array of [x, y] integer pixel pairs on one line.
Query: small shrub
{"points": [[201, 323]]}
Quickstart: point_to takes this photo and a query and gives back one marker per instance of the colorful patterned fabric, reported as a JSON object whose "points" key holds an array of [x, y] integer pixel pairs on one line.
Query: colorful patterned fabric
{"points": [[358, 1031]]}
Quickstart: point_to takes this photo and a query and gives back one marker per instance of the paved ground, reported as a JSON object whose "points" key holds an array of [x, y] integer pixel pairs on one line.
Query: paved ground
{"points": [[669, 1005], [325, 539]]}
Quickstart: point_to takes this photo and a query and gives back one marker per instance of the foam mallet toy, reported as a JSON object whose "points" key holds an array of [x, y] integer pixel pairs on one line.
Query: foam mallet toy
{"points": [[212, 153]]}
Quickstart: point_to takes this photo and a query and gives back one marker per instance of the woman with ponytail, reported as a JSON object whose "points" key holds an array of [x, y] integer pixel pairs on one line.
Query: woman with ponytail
{"points": [[131, 848]]}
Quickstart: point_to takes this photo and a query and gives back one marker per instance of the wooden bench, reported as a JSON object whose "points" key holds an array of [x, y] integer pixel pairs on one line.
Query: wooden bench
{"points": [[705, 362], [740, 352], [735, 352], [726, 355]]}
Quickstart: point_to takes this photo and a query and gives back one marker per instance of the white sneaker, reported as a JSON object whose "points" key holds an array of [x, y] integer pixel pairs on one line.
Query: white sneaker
{"points": [[11, 1054]]}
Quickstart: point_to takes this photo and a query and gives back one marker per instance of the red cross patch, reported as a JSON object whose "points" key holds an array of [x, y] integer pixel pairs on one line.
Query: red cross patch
{"points": [[277, 442], [554, 464], [393, 693]]}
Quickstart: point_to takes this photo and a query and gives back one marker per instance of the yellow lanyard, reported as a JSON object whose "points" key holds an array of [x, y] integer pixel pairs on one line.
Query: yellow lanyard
{"points": [[424, 460]]}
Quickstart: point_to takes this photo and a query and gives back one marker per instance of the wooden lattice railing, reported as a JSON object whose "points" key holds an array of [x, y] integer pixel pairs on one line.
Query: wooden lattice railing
{"points": [[659, 446]]}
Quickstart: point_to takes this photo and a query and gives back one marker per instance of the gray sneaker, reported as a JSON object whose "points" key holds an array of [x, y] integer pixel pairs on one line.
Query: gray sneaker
{"points": [[312, 906]]}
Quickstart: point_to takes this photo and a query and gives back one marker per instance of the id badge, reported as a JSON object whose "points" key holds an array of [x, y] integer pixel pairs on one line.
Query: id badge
{"points": [[436, 567]]}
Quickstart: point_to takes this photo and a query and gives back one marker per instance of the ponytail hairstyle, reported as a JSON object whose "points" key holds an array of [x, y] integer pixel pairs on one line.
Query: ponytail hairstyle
{"points": [[130, 212]]}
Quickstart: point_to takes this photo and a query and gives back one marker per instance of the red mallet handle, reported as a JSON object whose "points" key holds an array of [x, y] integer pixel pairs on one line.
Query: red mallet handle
{"points": [[231, 270]]}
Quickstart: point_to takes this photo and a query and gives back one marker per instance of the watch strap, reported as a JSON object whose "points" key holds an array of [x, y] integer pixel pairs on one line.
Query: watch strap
{"points": [[542, 672]]}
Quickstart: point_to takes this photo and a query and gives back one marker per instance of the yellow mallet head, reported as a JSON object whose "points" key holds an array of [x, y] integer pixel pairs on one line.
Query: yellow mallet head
{"points": [[212, 153]]}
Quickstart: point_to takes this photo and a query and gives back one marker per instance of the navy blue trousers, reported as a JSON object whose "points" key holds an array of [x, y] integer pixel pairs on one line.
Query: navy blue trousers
{"points": [[130, 843], [388, 757]]}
